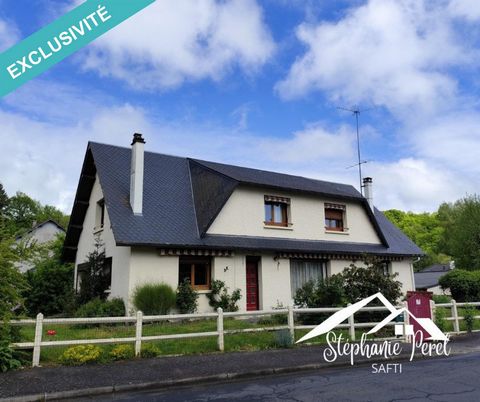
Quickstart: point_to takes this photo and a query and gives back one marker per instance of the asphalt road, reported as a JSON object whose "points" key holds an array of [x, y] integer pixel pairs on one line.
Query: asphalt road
{"points": [[451, 379]]}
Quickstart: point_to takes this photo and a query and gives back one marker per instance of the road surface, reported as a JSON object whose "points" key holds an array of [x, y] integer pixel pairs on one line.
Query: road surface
{"points": [[452, 379]]}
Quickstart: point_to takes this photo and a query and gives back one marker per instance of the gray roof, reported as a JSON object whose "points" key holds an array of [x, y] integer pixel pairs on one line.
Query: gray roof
{"points": [[437, 268], [182, 197], [425, 280]]}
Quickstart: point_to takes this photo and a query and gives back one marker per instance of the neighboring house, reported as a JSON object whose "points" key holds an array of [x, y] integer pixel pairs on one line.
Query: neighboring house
{"points": [[428, 278], [165, 218], [39, 234]]}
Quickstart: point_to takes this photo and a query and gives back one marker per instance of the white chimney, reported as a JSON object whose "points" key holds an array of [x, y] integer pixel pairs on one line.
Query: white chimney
{"points": [[136, 174], [368, 191]]}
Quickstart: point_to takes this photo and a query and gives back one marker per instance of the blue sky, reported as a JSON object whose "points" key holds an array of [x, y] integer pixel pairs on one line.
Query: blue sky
{"points": [[258, 83]]}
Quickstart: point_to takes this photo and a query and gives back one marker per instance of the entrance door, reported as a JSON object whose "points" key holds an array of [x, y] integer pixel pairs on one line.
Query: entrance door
{"points": [[252, 285]]}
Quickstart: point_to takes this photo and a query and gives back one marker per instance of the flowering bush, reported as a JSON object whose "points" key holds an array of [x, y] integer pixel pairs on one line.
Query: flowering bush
{"points": [[82, 354], [122, 352], [150, 350]]}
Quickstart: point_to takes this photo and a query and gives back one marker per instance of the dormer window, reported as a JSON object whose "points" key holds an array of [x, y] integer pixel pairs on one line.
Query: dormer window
{"points": [[276, 211], [335, 217]]}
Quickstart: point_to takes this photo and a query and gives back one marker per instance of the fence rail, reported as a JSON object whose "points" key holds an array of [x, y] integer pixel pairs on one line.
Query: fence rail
{"points": [[139, 320]]}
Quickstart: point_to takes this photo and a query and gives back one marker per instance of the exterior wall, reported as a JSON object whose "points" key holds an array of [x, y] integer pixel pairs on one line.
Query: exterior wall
{"points": [[274, 282], [120, 255], [437, 290], [40, 235], [243, 214]]}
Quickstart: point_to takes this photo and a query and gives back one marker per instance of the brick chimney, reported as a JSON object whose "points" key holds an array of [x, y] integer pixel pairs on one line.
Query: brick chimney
{"points": [[136, 174]]}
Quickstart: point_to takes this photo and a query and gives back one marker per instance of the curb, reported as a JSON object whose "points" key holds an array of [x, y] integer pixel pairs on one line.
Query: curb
{"points": [[160, 385]]}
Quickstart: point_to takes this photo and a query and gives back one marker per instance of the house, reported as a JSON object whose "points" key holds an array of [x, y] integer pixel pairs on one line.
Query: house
{"points": [[39, 234], [165, 218], [428, 278]]}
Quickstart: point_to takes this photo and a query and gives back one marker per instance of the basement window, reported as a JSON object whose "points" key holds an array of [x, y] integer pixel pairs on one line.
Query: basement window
{"points": [[335, 217], [197, 270], [277, 211]]}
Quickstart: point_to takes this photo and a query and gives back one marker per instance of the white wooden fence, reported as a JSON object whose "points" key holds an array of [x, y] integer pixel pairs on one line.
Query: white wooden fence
{"points": [[220, 332]]}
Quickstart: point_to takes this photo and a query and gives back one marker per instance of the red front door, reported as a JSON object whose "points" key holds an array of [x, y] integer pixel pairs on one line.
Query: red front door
{"points": [[252, 285]]}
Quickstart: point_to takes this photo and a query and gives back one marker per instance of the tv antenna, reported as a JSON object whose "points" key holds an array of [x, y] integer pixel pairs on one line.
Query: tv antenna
{"points": [[356, 111]]}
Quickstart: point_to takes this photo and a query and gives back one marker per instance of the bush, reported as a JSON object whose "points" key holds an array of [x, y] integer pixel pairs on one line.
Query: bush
{"points": [[441, 299], [283, 339], [186, 298], [50, 282], [8, 361], [122, 352], [464, 285], [79, 355], [99, 308], [469, 318], [150, 350], [440, 319], [154, 298], [219, 297], [321, 293]]}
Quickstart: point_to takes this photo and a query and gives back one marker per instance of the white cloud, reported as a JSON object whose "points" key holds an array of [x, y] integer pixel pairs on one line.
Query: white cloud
{"points": [[173, 41], [468, 9], [9, 34], [389, 52]]}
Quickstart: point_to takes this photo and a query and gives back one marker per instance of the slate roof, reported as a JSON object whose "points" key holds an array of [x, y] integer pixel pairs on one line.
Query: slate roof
{"points": [[182, 197], [425, 280]]}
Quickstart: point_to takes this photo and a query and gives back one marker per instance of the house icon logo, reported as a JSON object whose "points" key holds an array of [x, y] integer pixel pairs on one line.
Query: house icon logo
{"points": [[400, 329]]}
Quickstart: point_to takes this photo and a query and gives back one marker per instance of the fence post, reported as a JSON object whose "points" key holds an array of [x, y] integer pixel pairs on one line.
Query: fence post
{"points": [[291, 323], [433, 310], [456, 324], [38, 340], [351, 323], [406, 321], [221, 344], [138, 334]]}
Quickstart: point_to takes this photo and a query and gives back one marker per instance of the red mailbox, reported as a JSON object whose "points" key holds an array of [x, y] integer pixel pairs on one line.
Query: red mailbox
{"points": [[419, 306]]}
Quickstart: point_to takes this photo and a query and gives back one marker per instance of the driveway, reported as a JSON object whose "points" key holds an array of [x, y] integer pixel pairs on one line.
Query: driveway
{"points": [[451, 379]]}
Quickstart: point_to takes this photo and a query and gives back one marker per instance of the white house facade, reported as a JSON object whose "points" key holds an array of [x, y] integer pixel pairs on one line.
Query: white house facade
{"points": [[164, 218]]}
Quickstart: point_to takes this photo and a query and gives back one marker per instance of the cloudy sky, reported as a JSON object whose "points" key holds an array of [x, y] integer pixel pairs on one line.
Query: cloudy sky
{"points": [[259, 83]]}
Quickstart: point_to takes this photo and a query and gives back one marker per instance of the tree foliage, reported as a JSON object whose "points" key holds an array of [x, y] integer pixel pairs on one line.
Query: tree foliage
{"points": [[50, 282], [94, 280]]}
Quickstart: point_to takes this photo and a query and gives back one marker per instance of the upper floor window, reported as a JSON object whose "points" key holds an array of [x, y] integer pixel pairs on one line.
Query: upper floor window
{"points": [[100, 218], [384, 267], [276, 210], [335, 217]]}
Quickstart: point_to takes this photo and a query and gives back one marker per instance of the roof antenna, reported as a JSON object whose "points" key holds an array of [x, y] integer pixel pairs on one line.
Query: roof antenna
{"points": [[356, 111]]}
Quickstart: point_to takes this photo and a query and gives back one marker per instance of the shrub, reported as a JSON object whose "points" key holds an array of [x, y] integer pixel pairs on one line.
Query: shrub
{"points": [[122, 352], [154, 298], [464, 285], [8, 361], [321, 293], [186, 298], [362, 282], [469, 318], [99, 308], [79, 355], [440, 299], [150, 350], [283, 339], [440, 319], [219, 297]]}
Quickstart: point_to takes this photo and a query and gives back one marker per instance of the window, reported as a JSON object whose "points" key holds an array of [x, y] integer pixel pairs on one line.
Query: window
{"points": [[276, 211], [100, 218], [335, 217], [83, 271], [302, 271], [385, 268], [197, 270]]}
